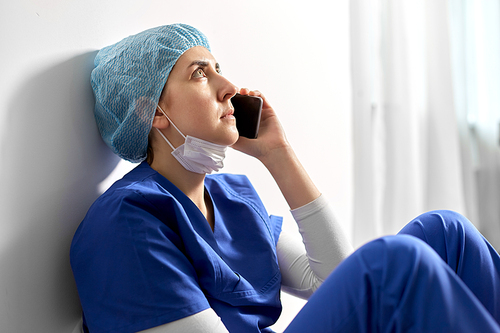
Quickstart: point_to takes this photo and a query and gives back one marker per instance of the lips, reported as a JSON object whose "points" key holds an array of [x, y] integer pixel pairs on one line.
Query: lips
{"points": [[228, 114]]}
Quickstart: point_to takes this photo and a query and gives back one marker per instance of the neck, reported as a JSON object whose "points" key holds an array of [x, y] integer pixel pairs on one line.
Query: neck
{"points": [[190, 183]]}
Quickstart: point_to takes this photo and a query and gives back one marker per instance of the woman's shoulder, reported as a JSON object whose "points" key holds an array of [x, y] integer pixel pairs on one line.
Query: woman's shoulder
{"points": [[138, 184], [137, 191], [135, 202]]}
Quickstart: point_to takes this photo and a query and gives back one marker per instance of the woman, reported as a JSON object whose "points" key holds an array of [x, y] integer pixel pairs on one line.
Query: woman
{"points": [[169, 248]]}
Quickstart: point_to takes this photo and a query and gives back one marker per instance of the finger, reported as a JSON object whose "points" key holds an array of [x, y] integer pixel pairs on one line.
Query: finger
{"points": [[255, 93], [244, 91], [265, 104]]}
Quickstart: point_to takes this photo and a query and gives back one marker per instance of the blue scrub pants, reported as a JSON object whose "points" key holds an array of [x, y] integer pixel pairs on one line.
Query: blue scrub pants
{"points": [[439, 274]]}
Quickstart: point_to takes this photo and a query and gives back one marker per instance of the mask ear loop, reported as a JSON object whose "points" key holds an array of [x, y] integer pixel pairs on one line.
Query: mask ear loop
{"points": [[171, 122], [171, 146], [165, 139]]}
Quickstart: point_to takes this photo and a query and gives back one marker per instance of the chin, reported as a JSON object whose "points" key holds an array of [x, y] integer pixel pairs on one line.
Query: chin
{"points": [[230, 138], [236, 136], [227, 140], [232, 141]]}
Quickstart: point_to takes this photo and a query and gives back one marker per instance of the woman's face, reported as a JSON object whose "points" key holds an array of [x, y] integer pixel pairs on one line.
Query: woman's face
{"points": [[197, 98]]}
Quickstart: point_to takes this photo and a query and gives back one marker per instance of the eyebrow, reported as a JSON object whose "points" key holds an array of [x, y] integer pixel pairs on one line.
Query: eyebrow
{"points": [[202, 63]]}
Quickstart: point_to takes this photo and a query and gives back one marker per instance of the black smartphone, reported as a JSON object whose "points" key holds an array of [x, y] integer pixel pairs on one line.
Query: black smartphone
{"points": [[247, 111]]}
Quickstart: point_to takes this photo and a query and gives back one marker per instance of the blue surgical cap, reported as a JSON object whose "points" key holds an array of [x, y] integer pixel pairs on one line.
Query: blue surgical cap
{"points": [[128, 79]]}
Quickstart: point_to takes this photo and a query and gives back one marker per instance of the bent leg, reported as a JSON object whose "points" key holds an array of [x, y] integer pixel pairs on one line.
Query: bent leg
{"points": [[393, 284], [465, 250]]}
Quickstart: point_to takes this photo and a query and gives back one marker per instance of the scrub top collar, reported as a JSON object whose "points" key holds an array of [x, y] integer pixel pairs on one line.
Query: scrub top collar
{"points": [[199, 221]]}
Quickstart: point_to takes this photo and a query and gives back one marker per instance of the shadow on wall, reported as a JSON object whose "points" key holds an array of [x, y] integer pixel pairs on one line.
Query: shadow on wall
{"points": [[55, 159]]}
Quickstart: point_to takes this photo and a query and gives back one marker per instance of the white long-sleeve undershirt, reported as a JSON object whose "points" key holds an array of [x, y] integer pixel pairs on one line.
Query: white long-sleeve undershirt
{"points": [[326, 245], [303, 266]]}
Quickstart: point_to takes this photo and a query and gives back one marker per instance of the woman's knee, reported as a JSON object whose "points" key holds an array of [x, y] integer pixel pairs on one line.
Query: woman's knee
{"points": [[437, 223], [445, 219], [447, 232], [399, 251]]}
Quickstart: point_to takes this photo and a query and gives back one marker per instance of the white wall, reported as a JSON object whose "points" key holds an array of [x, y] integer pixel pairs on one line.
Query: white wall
{"points": [[53, 162]]}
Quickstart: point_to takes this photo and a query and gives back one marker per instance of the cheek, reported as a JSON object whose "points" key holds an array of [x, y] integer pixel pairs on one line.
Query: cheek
{"points": [[188, 109], [196, 111], [198, 104]]}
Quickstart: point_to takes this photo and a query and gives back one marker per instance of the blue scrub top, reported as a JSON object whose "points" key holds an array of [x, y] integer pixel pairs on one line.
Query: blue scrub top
{"points": [[145, 255]]}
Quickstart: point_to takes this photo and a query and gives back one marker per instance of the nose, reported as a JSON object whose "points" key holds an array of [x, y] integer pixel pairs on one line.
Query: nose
{"points": [[226, 89]]}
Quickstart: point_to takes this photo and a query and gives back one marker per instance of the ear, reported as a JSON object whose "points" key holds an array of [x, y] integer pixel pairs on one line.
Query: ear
{"points": [[159, 120]]}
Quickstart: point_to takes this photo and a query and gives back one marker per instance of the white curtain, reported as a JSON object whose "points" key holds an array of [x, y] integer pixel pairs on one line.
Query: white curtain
{"points": [[475, 27], [412, 143]]}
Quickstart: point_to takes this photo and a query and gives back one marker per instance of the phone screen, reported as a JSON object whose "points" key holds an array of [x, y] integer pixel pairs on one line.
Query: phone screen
{"points": [[247, 111]]}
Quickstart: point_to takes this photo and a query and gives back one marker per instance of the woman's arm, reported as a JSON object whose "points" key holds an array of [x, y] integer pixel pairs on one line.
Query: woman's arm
{"points": [[325, 242], [273, 150], [326, 245]]}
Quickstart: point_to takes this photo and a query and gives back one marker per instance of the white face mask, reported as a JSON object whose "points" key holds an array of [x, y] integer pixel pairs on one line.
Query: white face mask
{"points": [[197, 155]]}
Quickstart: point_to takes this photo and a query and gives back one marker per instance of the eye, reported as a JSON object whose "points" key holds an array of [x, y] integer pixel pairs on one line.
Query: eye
{"points": [[198, 73], [217, 69]]}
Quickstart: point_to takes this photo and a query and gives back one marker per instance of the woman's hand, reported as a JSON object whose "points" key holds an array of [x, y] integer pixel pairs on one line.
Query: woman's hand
{"points": [[273, 150], [271, 135]]}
